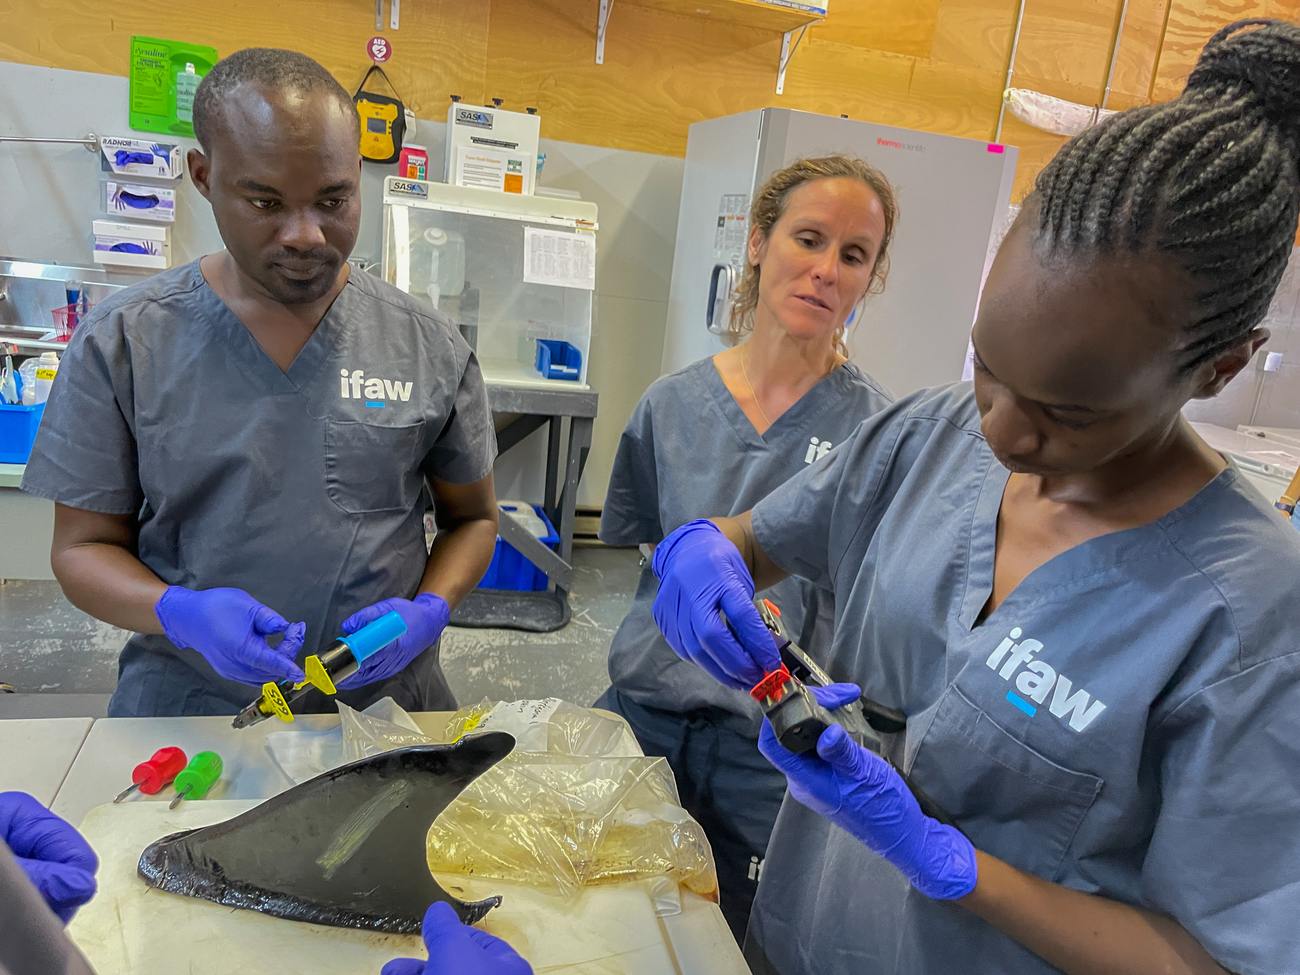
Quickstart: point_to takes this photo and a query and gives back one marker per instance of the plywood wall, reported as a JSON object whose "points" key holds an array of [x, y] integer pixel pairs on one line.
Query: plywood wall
{"points": [[938, 65]]}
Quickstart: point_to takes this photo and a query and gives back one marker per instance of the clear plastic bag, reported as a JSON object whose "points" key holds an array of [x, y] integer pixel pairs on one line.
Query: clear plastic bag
{"points": [[582, 808], [303, 755], [567, 821], [376, 730], [549, 725]]}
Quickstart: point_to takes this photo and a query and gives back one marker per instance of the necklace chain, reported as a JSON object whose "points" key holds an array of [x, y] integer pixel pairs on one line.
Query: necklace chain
{"points": [[745, 372]]}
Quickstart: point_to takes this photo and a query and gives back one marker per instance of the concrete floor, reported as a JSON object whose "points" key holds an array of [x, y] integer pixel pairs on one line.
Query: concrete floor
{"points": [[48, 646]]}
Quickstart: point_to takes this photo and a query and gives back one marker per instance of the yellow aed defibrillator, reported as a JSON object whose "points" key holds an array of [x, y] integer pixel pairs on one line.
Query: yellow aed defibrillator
{"points": [[383, 121]]}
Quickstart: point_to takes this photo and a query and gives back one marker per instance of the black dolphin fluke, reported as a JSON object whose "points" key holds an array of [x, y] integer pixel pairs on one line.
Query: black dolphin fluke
{"points": [[346, 848]]}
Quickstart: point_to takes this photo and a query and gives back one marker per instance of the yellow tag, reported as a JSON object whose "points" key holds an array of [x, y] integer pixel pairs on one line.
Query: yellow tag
{"points": [[45, 373], [273, 697], [469, 725], [317, 675]]}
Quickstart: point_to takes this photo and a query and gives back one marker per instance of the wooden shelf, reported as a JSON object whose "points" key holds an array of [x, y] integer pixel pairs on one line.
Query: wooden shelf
{"points": [[790, 22], [745, 13]]}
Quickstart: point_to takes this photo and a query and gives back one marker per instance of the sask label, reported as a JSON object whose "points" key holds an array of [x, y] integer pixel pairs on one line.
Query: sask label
{"points": [[405, 187]]}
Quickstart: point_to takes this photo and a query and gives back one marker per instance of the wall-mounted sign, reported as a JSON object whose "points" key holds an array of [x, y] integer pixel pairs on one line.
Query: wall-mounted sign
{"points": [[378, 49]]}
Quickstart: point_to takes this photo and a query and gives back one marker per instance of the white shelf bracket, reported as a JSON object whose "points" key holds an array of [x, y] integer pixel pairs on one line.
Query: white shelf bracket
{"points": [[395, 14], [606, 7], [787, 52]]}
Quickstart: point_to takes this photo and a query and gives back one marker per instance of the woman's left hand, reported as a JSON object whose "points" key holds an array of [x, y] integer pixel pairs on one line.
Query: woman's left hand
{"points": [[859, 792]]}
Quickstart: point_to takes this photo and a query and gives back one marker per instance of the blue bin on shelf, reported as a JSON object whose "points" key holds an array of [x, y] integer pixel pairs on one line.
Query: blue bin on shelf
{"points": [[558, 360], [510, 570], [18, 426]]}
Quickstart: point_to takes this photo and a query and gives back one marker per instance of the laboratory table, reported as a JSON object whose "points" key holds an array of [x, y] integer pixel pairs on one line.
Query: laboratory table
{"points": [[36, 753], [524, 409], [698, 938]]}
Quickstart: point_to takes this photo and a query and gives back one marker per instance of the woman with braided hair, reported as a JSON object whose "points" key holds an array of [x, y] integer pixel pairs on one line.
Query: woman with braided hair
{"points": [[1086, 613]]}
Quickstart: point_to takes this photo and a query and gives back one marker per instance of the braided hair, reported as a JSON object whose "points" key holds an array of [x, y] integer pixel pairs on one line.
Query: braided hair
{"points": [[1209, 179]]}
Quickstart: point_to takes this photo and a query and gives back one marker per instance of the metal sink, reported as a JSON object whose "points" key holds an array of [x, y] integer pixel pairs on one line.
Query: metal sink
{"points": [[31, 290]]}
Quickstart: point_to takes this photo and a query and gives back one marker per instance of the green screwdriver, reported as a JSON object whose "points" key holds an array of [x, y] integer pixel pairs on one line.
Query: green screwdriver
{"points": [[197, 778]]}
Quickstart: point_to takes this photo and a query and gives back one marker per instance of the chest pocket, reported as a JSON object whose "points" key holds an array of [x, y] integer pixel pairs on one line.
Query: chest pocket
{"points": [[1011, 801], [372, 468]]}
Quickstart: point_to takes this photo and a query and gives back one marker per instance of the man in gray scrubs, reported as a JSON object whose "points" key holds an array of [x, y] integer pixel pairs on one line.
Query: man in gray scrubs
{"points": [[239, 448]]}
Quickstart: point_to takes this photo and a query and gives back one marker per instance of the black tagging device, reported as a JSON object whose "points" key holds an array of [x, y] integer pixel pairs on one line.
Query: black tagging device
{"points": [[798, 720]]}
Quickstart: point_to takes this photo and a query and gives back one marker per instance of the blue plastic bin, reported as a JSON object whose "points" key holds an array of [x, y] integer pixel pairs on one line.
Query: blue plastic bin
{"points": [[510, 570], [558, 360], [18, 431]]}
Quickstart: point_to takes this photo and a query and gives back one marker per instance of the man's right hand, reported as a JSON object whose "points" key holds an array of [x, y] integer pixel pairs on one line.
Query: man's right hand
{"points": [[229, 627], [702, 577]]}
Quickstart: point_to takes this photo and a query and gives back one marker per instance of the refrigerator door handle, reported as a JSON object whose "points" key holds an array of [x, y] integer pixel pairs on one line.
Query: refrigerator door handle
{"points": [[718, 314]]}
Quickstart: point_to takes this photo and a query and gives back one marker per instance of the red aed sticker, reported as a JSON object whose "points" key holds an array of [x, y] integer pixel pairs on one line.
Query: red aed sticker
{"points": [[378, 49]]}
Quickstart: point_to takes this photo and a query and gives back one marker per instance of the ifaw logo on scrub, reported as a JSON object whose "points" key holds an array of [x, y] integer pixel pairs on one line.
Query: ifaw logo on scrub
{"points": [[376, 392], [1039, 681], [817, 449]]}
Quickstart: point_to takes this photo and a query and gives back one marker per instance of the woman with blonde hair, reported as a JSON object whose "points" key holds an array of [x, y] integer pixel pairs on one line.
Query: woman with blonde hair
{"points": [[714, 438]]}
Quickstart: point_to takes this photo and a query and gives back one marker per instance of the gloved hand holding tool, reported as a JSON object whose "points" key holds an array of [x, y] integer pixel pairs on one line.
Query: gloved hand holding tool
{"points": [[458, 949], [344, 658], [425, 616], [865, 796], [229, 628], [53, 855], [701, 578]]}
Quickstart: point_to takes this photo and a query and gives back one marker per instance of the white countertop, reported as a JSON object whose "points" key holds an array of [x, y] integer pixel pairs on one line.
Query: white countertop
{"points": [[37, 753], [115, 746], [698, 939]]}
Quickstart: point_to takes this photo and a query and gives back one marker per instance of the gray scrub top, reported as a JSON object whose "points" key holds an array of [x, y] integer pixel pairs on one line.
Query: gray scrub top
{"points": [[690, 452], [303, 488], [1126, 722]]}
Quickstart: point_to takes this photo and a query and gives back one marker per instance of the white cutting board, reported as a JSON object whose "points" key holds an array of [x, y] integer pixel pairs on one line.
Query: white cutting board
{"points": [[132, 929]]}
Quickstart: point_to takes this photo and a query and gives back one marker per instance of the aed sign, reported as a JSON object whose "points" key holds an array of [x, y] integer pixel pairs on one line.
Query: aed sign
{"points": [[378, 49]]}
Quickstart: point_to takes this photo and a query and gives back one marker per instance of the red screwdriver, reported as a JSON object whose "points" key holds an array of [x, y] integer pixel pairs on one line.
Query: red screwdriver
{"points": [[150, 777]]}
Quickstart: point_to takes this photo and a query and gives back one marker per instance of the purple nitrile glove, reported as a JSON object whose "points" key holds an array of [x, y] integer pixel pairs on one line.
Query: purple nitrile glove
{"points": [[229, 627], [426, 616], [859, 792], [55, 858], [701, 577], [457, 949]]}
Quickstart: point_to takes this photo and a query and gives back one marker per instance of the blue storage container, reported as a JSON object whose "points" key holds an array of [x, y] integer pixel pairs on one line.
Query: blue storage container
{"points": [[558, 360], [510, 570], [18, 426]]}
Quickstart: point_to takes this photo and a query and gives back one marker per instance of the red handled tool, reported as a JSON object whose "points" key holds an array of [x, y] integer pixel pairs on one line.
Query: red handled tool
{"points": [[150, 777]]}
